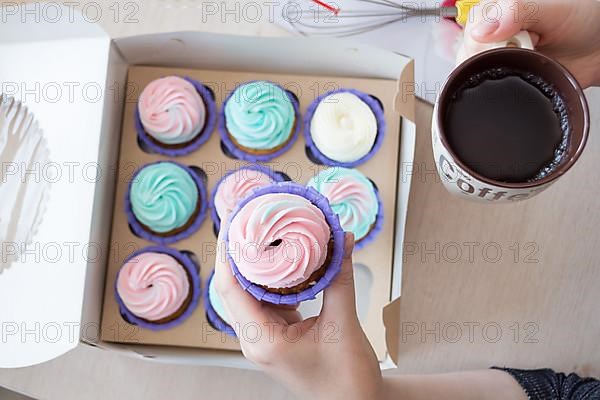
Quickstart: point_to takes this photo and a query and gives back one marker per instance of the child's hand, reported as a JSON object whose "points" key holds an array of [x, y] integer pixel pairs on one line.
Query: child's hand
{"points": [[566, 30], [324, 357]]}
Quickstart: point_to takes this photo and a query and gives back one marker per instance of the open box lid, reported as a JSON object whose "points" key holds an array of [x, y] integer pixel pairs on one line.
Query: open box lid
{"points": [[58, 70], [45, 302]]}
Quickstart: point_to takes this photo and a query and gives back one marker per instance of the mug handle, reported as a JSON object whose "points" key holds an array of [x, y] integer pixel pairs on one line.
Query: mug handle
{"points": [[470, 47]]}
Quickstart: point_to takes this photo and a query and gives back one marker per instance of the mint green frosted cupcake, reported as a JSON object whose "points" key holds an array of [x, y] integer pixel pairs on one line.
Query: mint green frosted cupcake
{"points": [[165, 200], [260, 121], [354, 198]]}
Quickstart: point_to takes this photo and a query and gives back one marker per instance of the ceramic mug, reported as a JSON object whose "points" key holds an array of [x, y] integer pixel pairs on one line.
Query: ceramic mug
{"points": [[461, 180]]}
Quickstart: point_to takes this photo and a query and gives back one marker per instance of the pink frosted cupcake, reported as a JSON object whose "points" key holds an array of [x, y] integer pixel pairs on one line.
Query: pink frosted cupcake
{"points": [[157, 288], [284, 243], [174, 115], [238, 184]]}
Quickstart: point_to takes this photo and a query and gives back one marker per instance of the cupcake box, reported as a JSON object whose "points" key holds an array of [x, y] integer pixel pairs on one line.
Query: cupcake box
{"points": [[94, 210]]}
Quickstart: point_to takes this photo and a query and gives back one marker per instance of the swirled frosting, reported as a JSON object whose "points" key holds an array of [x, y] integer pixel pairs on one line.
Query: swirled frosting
{"points": [[153, 286], [279, 240], [215, 301], [351, 196], [259, 115], [171, 110], [343, 127], [163, 196], [237, 185]]}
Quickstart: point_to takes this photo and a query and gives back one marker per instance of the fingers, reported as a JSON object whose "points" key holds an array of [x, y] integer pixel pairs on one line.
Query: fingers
{"points": [[240, 306], [339, 298], [283, 315], [492, 22], [499, 20], [306, 325]]}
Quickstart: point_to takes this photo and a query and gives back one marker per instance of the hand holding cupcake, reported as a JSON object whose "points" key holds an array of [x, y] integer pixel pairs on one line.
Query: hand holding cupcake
{"points": [[285, 243]]}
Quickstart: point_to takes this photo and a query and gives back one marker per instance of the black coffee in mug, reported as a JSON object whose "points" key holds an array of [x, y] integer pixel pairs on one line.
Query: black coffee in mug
{"points": [[507, 125]]}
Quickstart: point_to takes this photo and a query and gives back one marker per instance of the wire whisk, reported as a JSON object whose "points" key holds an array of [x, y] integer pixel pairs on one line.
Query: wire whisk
{"points": [[362, 16]]}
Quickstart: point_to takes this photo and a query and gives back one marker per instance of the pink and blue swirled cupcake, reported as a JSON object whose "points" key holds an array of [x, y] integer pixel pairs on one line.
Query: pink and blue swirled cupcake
{"points": [[284, 243], [166, 202], [354, 198], [174, 115], [236, 185], [157, 288], [260, 121]]}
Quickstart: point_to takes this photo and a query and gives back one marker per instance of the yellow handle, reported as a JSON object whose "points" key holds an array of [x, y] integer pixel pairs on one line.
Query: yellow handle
{"points": [[464, 7]]}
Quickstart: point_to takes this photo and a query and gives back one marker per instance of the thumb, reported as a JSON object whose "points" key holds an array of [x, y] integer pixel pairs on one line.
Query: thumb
{"points": [[499, 20], [339, 298]]}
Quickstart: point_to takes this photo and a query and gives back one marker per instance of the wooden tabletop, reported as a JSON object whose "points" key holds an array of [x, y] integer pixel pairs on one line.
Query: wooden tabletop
{"points": [[515, 284], [483, 285]]}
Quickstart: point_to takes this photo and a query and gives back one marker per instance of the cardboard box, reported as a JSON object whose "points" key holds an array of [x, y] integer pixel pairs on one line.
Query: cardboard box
{"points": [[49, 305]]}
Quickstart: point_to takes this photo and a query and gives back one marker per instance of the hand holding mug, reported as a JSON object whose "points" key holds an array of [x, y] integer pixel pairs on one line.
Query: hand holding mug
{"points": [[508, 121], [567, 31]]}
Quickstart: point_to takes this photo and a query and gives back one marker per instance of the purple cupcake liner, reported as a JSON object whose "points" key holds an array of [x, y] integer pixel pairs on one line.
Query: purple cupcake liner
{"points": [[141, 232], [195, 286], [334, 266], [379, 117], [213, 318], [369, 237], [199, 140], [241, 154], [274, 175]]}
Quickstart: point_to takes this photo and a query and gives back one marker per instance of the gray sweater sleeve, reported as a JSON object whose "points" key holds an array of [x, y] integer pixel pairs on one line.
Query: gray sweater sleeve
{"points": [[545, 384]]}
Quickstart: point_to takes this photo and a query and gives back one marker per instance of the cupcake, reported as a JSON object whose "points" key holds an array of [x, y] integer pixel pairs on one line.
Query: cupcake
{"points": [[236, 185], [166, 202], [260, 121], [157, 288], [215, 313], [344, 128], [174, 115], [354, 198], [284, 243]]}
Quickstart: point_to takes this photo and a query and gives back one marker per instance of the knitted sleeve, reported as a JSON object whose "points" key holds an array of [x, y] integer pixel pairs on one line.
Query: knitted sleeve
{"points": [[545, 384]]}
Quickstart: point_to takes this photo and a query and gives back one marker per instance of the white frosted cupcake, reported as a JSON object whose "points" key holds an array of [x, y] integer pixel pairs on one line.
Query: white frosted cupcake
{"points": [[344, 128]]}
